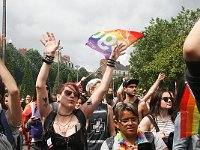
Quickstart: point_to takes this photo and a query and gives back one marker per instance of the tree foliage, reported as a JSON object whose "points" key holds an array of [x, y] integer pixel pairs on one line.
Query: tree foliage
{"points": [[161, 49], [28, 86]]}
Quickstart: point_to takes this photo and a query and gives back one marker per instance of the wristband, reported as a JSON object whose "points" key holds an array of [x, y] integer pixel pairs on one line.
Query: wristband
{"points": [[111, 63], [48, 59]]}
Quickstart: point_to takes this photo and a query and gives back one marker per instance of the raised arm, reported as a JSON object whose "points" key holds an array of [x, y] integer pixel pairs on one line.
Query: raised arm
{"points": [[120, 91], [14, 106], [191, 48], [154, 87], [97, 96], [51, 45]]}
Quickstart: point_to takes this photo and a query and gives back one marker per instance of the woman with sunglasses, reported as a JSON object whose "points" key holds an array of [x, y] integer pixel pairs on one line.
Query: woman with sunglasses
{"points": [[65, 129], [160, 119], [129, 137]]}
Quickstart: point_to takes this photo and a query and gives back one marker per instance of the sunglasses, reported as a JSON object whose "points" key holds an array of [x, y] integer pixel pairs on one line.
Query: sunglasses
{"points": [[68, 93], [166, 99]]}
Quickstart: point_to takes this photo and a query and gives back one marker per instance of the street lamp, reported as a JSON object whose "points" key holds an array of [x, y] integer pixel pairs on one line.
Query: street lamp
{"points": [[4, 31], [77, 67]]}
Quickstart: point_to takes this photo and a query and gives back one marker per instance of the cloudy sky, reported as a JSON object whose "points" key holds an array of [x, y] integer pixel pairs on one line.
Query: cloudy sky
{"points": [[74, 21]]}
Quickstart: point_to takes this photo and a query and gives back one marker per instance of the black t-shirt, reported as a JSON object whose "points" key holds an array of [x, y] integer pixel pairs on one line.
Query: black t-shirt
{"points": [[192, 75]]}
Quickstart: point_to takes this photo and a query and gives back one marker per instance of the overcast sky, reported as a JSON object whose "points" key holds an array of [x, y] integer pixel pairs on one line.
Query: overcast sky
{"points": [[74, 21]]}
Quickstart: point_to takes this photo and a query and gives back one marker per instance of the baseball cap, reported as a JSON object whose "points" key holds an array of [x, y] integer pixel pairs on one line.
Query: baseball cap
{"points": [[130, 81]]}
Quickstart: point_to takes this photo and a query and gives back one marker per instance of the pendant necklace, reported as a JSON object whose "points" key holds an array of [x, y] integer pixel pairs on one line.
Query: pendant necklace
{"points": [[64, 131]]}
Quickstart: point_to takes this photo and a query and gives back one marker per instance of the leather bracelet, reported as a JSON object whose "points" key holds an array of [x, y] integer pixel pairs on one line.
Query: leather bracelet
{"points": [[111, 60], [111, 65], [48, 59]]}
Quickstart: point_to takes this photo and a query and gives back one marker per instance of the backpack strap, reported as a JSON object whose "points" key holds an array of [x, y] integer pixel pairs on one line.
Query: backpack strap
{"points": [[110, 142], [152, 119], [6, 128]]}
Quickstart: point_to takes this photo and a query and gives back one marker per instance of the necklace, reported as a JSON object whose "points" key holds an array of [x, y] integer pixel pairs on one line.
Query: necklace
{"points": [[122, 142], [64, 115], [65, 127]]}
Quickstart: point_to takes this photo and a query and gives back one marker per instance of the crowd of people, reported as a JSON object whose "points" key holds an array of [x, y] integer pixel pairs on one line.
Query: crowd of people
{"points": [[98, 120]]}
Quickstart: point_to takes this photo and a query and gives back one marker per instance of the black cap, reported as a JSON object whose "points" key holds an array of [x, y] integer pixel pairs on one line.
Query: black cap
{"points": [[130, 81]]}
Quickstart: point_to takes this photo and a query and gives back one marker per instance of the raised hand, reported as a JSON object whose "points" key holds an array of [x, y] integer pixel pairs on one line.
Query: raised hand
{"points": [[161, 76], [50, 44], [118, 51]]}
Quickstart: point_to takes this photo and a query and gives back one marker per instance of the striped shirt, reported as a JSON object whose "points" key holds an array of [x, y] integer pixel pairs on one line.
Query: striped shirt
{"points": [[167, 126]]}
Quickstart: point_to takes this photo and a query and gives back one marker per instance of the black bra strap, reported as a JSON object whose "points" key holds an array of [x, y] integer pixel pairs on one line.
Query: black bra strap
{"points": [[152, 119]]}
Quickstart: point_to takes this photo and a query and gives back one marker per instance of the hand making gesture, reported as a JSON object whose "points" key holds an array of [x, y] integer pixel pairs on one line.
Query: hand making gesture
{"points": [[50, 44], [118, 51]]}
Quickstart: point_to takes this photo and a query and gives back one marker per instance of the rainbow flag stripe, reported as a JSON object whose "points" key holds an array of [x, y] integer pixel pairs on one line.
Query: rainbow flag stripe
{"points": [[104, 41], [189, 114]]}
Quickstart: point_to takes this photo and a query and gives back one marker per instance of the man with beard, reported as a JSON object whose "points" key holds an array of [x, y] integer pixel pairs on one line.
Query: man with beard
{"points": [[130, 91]]}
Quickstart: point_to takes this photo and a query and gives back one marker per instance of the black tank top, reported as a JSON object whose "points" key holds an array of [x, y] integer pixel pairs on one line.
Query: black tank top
{"points": [[54, 141], [97, 131]]}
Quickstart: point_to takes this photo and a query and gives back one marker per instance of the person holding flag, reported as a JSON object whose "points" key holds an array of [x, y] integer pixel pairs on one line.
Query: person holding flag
{"points": [[187, 123]]}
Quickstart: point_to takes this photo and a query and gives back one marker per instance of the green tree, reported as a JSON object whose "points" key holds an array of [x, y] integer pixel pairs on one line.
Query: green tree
{"points": [[8, 58], [82, 72], [161, 49], [19, 66], [57, 82], [35, 60], [28, 85]]}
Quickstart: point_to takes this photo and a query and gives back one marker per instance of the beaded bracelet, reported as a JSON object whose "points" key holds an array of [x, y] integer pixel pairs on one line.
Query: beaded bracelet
{"points": [[48, 59]]}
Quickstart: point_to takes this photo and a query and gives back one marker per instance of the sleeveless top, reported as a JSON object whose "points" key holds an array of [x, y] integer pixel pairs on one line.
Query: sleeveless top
{"points": [[166, 126], [97, 131], [54, 141]]}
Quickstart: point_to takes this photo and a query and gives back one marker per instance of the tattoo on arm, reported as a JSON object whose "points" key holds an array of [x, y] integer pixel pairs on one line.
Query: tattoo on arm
{"points": [[89, 102], [45, 101]]}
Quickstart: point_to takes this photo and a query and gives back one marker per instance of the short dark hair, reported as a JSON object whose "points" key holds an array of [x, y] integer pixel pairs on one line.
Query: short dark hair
{"points": [[121, 106]]}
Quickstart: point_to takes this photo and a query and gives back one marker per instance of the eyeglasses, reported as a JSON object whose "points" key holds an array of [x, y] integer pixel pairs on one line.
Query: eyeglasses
{"points": [[68, 93], [127, 121], [166, 99]]}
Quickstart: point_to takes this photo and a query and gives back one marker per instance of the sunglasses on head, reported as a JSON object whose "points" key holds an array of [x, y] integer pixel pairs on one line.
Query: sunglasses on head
{"points": [[166, 99], [68, 93]]}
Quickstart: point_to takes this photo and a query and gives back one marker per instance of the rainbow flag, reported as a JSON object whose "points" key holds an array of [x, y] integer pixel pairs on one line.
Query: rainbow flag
{"points": [[189, 114], [104, 41]]}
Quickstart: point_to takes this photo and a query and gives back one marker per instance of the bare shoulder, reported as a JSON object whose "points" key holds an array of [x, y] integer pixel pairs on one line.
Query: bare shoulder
{"points": [[145, 124], [142, 104]]}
